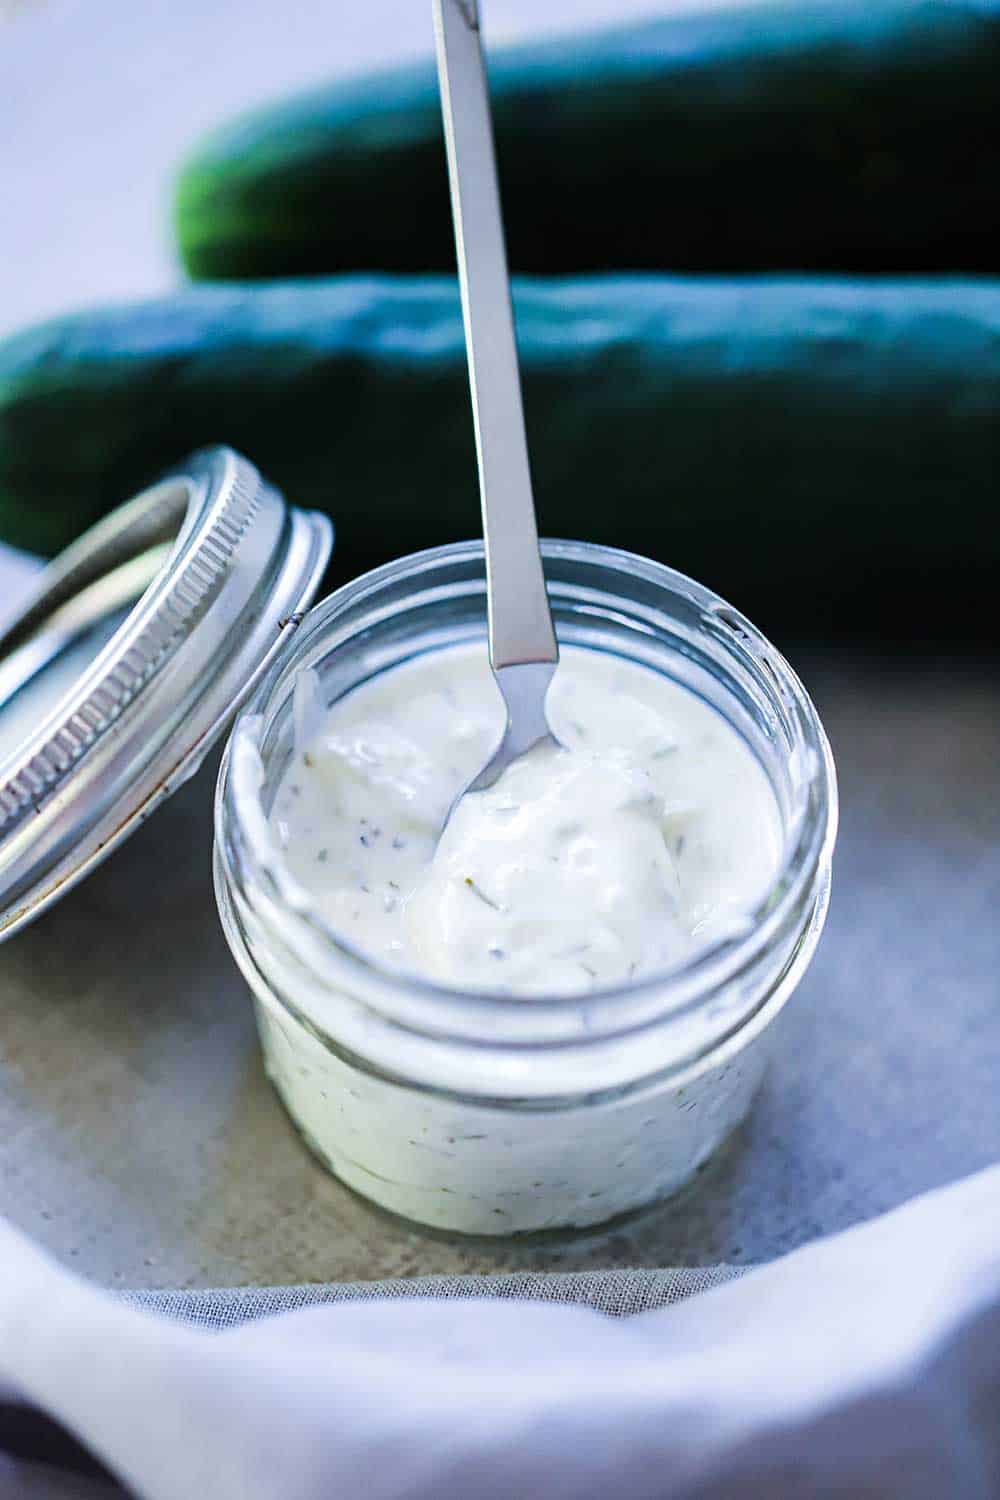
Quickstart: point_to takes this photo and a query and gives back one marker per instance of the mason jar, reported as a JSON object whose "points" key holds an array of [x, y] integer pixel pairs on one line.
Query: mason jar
{"points": [[492, 1114]]}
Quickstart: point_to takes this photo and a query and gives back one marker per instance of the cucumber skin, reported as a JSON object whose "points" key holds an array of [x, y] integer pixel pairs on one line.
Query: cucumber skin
{"points": [[815, 136], [823, 453]]}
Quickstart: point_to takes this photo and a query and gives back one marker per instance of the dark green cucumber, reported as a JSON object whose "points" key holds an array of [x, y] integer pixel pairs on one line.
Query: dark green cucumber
{"points": [[816, 450], [817, 136]]}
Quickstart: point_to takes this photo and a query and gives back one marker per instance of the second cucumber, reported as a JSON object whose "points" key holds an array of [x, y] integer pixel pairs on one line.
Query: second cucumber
{"points": [[793, 443]]}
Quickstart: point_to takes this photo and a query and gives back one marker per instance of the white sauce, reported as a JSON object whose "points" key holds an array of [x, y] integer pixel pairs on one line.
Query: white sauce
{"points": [[479, 1168], [653, 833]]}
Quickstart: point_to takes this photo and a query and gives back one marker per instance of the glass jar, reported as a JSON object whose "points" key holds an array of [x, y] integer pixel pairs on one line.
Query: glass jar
{"points": [[490, 1114]]}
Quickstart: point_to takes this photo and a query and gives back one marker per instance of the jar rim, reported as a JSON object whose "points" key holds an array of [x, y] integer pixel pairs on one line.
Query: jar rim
{"points": [[434, 1008]]}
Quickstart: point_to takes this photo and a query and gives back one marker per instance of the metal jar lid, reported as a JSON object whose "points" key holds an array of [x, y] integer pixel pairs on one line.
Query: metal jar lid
{"points": [[131, 656]]}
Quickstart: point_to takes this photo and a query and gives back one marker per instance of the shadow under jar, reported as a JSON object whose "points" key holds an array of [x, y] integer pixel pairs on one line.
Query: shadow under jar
{"points": [[494, 1114]]}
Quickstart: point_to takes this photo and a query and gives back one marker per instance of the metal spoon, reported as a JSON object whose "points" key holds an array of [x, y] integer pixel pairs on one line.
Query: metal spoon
{"points": [[523, 649]]}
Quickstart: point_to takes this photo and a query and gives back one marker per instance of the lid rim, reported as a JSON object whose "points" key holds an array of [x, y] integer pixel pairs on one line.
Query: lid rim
{"points": [[154, 631], [86, 775]]}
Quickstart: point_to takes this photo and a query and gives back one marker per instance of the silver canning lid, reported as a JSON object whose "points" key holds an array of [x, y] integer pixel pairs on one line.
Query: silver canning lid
{"points": [[130, 657]]}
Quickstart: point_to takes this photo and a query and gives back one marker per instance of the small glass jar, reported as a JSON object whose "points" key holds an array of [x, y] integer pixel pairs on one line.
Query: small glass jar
{"points": [[489, 1114]]}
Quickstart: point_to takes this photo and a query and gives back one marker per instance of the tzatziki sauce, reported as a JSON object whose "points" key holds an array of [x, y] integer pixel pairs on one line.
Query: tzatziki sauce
{"points": [[547, 1005], [653, 833]]}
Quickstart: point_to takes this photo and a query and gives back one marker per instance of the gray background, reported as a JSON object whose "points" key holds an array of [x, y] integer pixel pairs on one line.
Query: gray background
{"points": [[138, 1136], [140, 1140]]}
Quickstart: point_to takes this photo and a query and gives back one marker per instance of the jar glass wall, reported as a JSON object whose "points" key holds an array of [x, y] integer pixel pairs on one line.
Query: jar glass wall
{"points": [[486, 1113]]}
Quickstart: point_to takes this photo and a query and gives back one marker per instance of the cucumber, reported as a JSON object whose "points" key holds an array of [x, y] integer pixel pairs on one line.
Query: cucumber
{"points": [[821, 452], [817, 136]]}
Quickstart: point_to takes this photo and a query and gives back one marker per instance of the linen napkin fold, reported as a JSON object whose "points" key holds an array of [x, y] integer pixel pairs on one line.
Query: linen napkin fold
{"points": [[620, 1294], [864, 1365]]}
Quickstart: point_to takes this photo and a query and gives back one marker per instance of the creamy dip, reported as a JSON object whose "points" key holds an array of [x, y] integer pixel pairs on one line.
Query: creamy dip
{"points": [[605, 1077], [652, 833]]}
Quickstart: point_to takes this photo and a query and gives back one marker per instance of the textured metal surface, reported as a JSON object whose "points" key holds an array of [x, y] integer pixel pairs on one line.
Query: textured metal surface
{"points": [[140, 1141], [139, 718]]}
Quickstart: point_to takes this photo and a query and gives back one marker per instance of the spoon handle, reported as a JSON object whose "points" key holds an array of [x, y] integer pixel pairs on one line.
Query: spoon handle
{"points": [[519, 617]]}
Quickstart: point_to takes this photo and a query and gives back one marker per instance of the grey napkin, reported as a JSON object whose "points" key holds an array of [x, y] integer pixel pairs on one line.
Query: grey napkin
{"points": [[617, 1293], [41, 1453], [865, 1365]]}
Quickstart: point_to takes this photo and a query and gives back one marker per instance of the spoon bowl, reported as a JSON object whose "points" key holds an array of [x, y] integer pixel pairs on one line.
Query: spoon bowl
{"points": [[524, 690]]}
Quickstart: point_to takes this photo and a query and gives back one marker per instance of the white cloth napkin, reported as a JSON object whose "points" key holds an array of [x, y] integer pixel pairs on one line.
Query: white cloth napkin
{"points": [[864, 1365]]}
